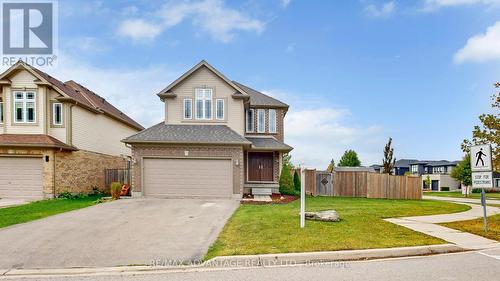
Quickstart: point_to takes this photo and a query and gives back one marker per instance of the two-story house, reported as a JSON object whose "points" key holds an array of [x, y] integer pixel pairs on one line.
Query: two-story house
{"points": [[438, 172], [56, 136], [219, 138]]}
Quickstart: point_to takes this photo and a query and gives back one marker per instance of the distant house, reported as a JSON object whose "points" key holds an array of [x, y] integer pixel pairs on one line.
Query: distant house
{"points": [[438, 172]]}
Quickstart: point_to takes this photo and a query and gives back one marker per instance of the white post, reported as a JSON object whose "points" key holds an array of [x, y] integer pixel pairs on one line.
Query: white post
{"points": [[302, 197]]}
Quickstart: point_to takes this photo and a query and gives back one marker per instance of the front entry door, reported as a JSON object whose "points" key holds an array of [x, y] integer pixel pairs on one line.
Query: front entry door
{"points": [[260, 166]]}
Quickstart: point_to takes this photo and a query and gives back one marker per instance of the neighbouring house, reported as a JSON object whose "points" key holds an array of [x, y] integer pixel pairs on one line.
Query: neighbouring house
{"points": [[219, 138], [401, 166], [56, 137], [438, 172]]}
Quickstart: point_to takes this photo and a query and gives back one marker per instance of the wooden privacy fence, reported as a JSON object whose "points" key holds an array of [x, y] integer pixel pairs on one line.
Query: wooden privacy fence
{"points": [[362, 184], [116, 175]]}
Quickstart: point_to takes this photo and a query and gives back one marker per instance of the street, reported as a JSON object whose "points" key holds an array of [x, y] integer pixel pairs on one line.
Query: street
{"points": [[482, 265]]}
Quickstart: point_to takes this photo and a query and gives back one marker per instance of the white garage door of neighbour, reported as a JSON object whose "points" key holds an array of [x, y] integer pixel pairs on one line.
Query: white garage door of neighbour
{"points": [[21, 177]]}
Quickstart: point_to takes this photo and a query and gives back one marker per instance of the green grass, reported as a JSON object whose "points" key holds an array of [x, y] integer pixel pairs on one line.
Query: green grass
{"points": [[458, 194], [476, 227], [41, 209], [259, 229]]}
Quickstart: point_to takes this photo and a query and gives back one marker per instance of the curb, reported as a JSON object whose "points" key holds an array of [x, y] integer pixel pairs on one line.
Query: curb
{"points": [[331, 256], [233, 262]]}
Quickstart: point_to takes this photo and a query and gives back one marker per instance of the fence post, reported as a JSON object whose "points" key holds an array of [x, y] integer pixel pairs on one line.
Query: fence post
{"points": [[302, 197]]}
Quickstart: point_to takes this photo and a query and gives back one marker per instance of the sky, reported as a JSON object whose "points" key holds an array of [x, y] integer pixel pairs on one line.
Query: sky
{"points": [[353, 72]]}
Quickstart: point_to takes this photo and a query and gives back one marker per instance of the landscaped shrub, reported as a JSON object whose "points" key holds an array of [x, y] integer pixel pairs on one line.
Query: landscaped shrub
{"points": [[286, 181], [445, 188], [487, 190], [296, 182], [116, 188], [97, 192]]}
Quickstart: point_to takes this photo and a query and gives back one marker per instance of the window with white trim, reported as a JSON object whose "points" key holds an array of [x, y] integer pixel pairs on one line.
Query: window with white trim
{"points": [[203, 103], [188, 108], [250, 120], [414, 168], [24, 107], [261, 119], [219, 109], [57, 113], [1, 112], [272, 120]]}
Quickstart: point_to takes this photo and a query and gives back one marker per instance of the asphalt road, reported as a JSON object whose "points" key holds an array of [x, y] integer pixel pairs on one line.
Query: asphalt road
{"points": [[484, 265]]}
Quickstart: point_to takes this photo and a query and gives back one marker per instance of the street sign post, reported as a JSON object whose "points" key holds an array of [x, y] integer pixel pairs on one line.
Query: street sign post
{"points": [[482, 173], [302, 196]]}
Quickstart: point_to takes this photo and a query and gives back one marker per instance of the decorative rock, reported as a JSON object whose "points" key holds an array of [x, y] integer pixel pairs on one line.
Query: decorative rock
{"points": [[329, 215]]}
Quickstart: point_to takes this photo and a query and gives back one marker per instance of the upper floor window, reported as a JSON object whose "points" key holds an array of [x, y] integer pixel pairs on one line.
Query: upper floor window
{"points": [[203, 103], [414, 168], [250, 120], [1, 111], [261, 117], [57, 114], [272, 120], [24, 107], [438, 170], [188, 108], [219, 109]]}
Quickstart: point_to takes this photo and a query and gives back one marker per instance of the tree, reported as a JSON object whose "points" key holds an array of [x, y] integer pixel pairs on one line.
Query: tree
{"points": [[487, 132], [296, 182], [287, 160], [428, 182], [286, 180], [349, 159], [388, 162], [330, 167], [462, 172]]}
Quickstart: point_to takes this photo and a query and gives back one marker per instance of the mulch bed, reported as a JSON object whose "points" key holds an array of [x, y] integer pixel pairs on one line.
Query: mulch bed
{"points": [[277, 199]]}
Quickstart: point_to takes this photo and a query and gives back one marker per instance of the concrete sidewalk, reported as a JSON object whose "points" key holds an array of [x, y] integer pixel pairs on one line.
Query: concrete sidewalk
{"points": [[461, 200], [427, 225], [9, 202]]}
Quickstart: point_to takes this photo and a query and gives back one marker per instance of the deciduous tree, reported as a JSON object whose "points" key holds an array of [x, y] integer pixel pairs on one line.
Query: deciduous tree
{"points": [[388, 162], [349, 159]]}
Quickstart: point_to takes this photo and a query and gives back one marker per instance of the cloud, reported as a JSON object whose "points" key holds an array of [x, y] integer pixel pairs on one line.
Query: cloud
{"points": [[481, 47], [138, 29], [119, 85], [384, 10], [432, 5], [290, 48], [319, 133], [209, 16], [87, 44], [285, 3]]}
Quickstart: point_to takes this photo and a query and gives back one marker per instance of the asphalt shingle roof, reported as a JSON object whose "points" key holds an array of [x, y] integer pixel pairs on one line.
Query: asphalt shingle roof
{"points": [[169, 133], [268, 143], [259, 99]]}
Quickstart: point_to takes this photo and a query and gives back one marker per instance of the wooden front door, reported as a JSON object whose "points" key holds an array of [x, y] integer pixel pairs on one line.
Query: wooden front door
{"points": [[260, 166]]}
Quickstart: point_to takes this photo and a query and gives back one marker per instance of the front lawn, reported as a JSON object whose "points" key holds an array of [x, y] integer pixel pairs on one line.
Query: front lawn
{"points": [[259, 229], [458, 194], [41, 209], [476, 227]]}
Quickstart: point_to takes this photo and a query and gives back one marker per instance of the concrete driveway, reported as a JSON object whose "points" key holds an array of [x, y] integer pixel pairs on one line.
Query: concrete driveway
{"points": [[124, 232]]}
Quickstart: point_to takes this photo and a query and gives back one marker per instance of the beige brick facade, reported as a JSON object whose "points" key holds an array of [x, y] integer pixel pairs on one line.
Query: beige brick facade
{"points": [[235, 153], [79, 171]]}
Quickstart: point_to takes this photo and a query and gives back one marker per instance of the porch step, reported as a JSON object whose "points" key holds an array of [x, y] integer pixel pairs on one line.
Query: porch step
{"points": [[262, 198], [262, 191]]}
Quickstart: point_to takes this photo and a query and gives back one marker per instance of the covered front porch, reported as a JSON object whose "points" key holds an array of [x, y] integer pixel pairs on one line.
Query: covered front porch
{"points": [[263, 162]]}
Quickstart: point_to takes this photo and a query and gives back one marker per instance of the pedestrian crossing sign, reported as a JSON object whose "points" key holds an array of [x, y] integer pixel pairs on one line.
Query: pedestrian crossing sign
{"points": [[480, 156]]}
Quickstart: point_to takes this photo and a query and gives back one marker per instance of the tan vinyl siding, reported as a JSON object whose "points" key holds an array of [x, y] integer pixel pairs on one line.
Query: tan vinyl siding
{"points": [[99, 133], [204, 78]]}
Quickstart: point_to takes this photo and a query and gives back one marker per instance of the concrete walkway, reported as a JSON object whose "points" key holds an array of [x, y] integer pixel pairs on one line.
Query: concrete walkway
{"points": [[428, 225], [461, 200], [9, 202]]}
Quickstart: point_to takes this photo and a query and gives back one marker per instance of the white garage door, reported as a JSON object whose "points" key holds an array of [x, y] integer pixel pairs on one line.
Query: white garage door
{"points": [[21, 177], [187, 178]]}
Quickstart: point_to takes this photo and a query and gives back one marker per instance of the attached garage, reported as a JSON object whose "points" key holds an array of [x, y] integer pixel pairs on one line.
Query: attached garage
{"points": [[187, 177], [21, 177]]}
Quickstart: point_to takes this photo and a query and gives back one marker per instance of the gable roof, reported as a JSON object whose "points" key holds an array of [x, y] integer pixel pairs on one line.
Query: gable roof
{"points": [[203, 63], [72, 91], [259, 99], [188, 134]]}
